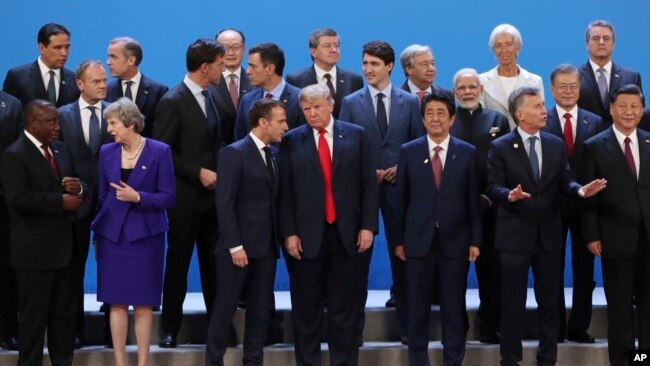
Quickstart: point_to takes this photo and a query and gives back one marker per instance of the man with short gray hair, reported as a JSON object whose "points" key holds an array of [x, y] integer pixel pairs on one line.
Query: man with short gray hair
{"points": [[419, 67]]}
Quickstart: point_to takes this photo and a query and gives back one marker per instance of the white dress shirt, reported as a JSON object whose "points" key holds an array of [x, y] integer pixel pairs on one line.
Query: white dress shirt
{"points": [[574, 118], [329, 136], [634, 145], [196, 91], [85, 117], [442, 154], [386, 99], [45, 74], [320, 75], [134, 87], [538, 146], [608, 71]]}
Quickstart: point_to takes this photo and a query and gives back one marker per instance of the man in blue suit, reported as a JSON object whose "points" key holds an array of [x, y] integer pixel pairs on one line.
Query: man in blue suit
{"points": [[46, 78], [397, 121], [597, 85], [328, 214], [574, 125], [248, 247], [83, 130], [438, 228], [124, 58], [265, 67], [324, 48], [528, 170]]}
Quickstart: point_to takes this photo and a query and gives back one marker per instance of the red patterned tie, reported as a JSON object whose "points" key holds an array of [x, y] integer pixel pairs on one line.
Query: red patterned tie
{"points": [[568, 133], [421, 95], [629, 157], [234, 92], [326, 166], [50, 159], [436, 165]]}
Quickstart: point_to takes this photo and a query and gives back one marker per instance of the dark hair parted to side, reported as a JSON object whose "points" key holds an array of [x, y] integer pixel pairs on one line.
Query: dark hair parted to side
{"points": [[381, 50], [516, 99], [628, 89], [131, 47], [564, 69], [600, 23], [243, 39], [438, 96], [202, 51], [270, 53], [49, 30], [262, 108]]}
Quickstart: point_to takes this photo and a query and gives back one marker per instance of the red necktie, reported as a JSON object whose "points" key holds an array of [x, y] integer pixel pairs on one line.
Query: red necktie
{"points": [[568, 133], [326, 166], [232, 88], [421, 95], [436, 165], [268, 96], [629, 157], [50, 159]]}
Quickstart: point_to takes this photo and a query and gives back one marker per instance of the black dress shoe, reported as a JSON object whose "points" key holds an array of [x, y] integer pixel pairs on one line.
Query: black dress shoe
{"points": [[390, 303], [10, 344], [490, 338], [77, 342], [168, 340], [580, 337]]}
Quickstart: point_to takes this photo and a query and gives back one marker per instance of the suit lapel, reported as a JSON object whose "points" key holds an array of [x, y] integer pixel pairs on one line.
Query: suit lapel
{"points": [[494, 88], [193, 106], [644, 155], [583, 128], [256, 156], [395, 111], [310, 148], [554, 123], [611, 144], [310, 76], [141, 168], [520, 150], [365, 101], [143, 92], [37, 79], [244, 83], [3, 108], [113, 164], [39, 158], [286, 94], [339, 142], [78, 127]]}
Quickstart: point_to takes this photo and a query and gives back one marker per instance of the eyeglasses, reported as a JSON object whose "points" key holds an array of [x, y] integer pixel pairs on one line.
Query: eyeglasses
{"points": [[234, 48], [565, 87]]}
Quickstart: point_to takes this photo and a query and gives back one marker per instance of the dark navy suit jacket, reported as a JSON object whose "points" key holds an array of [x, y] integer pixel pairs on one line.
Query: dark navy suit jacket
{"points": [[302, 188], [247, 204], [225, 106], [347, 83], [452, 211], [147, 97], [152, 177], [291, 99], [25, 82], [519, 223]]}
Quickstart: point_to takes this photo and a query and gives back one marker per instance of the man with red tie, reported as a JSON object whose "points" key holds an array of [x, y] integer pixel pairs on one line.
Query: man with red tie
{"points": [[574, 125], [616, 222], [329, 203]]}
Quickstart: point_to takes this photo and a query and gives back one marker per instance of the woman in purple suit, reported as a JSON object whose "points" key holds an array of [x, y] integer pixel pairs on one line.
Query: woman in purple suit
{"points": [[136, 185]]}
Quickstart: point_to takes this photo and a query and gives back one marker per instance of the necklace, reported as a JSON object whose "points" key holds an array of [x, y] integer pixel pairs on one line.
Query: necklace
{"points": [[137, 151]]}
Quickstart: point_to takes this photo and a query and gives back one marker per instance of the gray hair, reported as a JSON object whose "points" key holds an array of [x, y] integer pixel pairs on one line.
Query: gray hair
{"points": [[600, 23], [316, 91], [315, 35], [505, 29], [406, 58], [516, 99], [131, 47], [125, 110], [463, 71]]}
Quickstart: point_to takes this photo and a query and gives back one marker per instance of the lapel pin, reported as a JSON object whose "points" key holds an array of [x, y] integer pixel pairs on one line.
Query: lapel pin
{"points": [[494, 130], [426, 161], [285, 101], [144, 167], [585, 121], [616, 76], [56, 151], [516, 146], [453, 157], [340, 136], [341, 81], [647, 141], [2, 104], [146, 92], [63, 82], [493, 134]]}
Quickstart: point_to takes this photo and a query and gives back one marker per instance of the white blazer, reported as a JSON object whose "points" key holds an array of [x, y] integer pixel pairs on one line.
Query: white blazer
{"points": [[494, 96]]}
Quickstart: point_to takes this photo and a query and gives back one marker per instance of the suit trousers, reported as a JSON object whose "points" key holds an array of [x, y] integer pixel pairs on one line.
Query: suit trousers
{"points": [[623, 280], [331, 275], [8, 287], [488, 274], [82, 241], [256, 280], [514, 275], [421, 276], [46, 302], [186, 228]]}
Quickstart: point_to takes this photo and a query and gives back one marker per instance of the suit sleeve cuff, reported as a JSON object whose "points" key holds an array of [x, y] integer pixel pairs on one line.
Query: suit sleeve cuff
{"points": [[236, 249]]}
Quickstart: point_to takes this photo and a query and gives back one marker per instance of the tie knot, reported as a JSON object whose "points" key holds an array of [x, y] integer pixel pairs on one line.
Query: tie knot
{"points": [[328, 77], [380, 96], [266, 149], [567, 116], [205, 92], [437, 149], [92, 108], [52, 73], [128, 83], [268, 96], [601, 70], [322, 132], [627, 141], [44, 147], [532, 140], [233, 78]]}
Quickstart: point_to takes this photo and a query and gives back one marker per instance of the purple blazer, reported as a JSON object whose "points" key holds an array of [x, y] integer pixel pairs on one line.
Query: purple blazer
{"points": [[152, 177]]}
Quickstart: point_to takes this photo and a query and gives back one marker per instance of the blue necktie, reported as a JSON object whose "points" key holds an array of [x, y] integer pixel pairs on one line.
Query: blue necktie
{"points": [[128, 93], [94, 136], [382, 119], [532, 156], [210, 114]]}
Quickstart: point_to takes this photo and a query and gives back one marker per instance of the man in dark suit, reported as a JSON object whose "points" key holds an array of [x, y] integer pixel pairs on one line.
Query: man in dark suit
{"points": [[420, 70], [438, 228], [11, 125], [248, 247], [528, 170], [46, 78], [616, 223], [265, 67], [324, 49], [83, 130], [397, 121], [235, 82], [599, 76], [480, 126], [328, 213], [124, 58], [574, 125], [187, 120], [42, 193]]}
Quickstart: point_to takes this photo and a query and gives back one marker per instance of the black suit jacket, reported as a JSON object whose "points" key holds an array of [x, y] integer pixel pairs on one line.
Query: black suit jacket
{"points": [[613, 216], [147, 98], [590, 94], [405, 86], [85, 162], [11, 120], [41, 231], [225, 106], [347, 83], [26, 83], [181, 124]]}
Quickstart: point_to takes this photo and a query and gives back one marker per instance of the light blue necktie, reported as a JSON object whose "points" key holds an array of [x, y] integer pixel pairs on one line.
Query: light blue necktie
{"points": [[532, 156]]}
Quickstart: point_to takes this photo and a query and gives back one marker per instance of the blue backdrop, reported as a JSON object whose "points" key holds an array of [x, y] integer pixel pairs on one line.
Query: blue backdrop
{"points": [[458, 31]]}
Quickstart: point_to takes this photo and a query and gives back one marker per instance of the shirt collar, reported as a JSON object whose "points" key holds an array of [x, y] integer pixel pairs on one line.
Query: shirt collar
{"points": [[260, 145], [524, 135], [607, 67], [45, 70], [194, 87], [136, 79], [277, 91], [374, 91], [444, 144], [621, 137], [320, 73], [83, 105], [227, 73], [329, 129], [34, 140], [414, 88], [561, 112]]}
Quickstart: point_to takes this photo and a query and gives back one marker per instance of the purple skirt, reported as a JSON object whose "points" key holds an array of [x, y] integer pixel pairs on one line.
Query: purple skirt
{"points": [[130, 273]]}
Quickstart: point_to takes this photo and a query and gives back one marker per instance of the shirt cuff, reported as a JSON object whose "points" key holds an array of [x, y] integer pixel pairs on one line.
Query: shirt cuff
{"points": [[236, 249]]}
